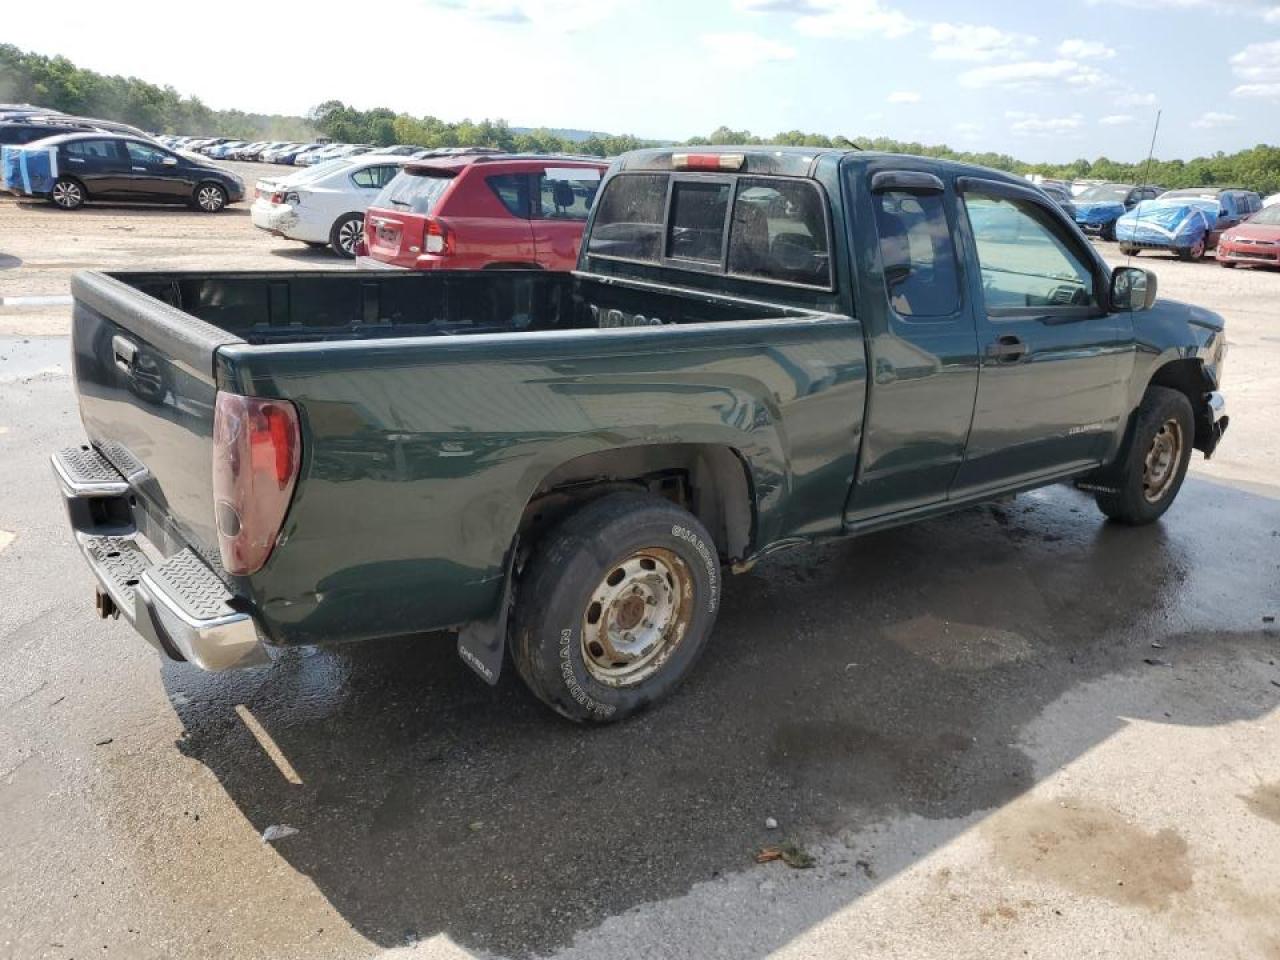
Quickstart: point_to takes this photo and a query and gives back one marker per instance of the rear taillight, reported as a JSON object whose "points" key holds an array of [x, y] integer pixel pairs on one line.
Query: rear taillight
{"points": [[437, 238], [257, 450]]}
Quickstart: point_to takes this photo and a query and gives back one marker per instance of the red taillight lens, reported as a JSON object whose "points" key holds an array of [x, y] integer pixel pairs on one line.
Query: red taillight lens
{"points": [[437, 238], [277, 198], [708, 161], [257, 450]]}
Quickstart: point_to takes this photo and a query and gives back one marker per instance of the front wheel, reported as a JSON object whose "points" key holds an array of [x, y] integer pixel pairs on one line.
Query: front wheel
{"points": [[345, 234], [1154, 462], [1108, 232], [615, 606], [210, 197], [1129, 250], [67, 194]]}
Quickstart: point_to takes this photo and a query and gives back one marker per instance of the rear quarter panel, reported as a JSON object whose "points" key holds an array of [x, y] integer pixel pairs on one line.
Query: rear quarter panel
{"points": [[420, 455]]}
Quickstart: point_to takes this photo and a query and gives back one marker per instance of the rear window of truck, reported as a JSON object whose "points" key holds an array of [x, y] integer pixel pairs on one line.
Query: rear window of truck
{"points": [[414, 191], [759, 228]]}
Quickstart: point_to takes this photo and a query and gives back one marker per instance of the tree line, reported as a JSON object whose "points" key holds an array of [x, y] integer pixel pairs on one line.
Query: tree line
{"points": [[57, 83]]}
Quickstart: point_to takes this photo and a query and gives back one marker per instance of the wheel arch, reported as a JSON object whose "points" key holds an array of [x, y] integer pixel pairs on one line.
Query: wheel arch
{"points": [[711, 480], [1188, 376]]}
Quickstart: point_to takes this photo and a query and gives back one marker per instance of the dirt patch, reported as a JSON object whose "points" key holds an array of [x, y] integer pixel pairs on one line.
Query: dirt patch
{"points": [[1092, 851], [959, 646], [1263, 801]]}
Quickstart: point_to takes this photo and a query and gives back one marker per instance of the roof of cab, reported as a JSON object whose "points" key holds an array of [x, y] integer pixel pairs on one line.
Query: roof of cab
{"points": [[783, 161]]}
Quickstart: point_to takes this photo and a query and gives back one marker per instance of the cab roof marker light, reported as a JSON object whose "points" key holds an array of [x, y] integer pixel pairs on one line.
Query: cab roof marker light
{"points": [[708, 161]]}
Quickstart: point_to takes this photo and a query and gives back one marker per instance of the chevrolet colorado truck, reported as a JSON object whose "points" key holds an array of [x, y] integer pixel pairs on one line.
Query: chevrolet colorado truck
{"points": [[760, 348]]}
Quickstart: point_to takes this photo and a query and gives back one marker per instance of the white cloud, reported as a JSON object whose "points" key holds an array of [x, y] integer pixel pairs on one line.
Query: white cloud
{"points": [[746, 49], [904, 96], [1033, 123], [1268, 10], [1137, 100], [1074, 49], [851, 18], [1034, 74], [1211, 120], [576, 13], [1116, 120], [1259, 64], [978, 43]]}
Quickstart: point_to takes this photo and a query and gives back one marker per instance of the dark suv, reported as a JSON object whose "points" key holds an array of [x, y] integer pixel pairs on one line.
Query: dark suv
{"points": [[69, 170]]}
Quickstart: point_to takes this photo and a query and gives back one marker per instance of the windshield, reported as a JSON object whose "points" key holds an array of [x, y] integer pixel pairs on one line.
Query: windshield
{"points": [[1105, 193], [415, 192], [316, 172], [1267, 216]]}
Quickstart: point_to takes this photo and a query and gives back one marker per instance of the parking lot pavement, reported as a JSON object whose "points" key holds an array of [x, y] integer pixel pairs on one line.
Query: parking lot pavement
{"points": [[1012, 730]]}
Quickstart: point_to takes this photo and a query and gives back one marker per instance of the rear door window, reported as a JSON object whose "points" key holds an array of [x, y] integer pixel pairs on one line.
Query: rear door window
{"points": [[99, 150], [565, 193], [917, 255], [628, 223], [696, 227], [416, 192], [779, 232], [513, 190]]}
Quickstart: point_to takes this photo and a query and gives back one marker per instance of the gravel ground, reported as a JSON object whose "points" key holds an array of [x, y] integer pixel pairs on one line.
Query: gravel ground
{"points": [[1015, 731]]}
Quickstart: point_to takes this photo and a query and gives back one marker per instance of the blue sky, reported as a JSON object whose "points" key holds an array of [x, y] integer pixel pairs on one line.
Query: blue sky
{"points": [[1042, 81]]}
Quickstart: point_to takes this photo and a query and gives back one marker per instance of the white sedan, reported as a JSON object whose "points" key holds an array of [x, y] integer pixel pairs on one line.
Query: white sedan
{"points": [[324, 205]]}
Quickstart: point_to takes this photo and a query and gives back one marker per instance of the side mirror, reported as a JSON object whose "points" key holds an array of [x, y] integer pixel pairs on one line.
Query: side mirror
{"points": [[1132, 288], [169, 162]]}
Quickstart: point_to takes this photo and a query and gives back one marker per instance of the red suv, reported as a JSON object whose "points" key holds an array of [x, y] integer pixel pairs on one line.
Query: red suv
{"points": [[475, 211]]}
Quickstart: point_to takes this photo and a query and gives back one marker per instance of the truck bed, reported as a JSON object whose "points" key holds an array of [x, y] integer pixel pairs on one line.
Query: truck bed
{"points": [[433, 407]]}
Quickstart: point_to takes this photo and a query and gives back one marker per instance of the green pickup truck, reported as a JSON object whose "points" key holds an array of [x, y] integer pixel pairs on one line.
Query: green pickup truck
{"points": [[760, 348]]}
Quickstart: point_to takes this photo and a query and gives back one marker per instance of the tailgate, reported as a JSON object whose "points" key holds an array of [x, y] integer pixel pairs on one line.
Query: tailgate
{"points": [[144, 374]]}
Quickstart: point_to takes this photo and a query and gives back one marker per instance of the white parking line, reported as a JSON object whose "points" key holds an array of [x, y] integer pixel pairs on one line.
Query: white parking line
{"points": [[47, 301]]}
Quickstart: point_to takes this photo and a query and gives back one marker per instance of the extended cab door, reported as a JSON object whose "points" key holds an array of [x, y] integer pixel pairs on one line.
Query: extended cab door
{"points": [[562, 199], [1051, 391], [921, 342]]}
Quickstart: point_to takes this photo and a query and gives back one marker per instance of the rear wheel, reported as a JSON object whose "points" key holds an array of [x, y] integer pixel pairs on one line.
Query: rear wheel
{"points": [[67, 194], [1154, 463], [1194, 252], [615, 607], [345, 234], [1129, 250], [1108, 232], [210, 197]]}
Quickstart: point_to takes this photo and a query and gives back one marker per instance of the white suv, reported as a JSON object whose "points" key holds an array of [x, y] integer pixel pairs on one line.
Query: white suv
{"points": [[324, 205]]}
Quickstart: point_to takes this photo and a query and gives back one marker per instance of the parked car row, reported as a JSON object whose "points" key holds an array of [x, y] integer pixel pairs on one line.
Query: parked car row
{"points": [[1189, 223]]}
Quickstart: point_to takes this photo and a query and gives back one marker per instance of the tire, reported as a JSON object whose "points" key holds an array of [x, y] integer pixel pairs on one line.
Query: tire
{"points": [[1230, 265], [1129, 250], [1193, 253], [1108, 231], [345, 232], [593, 580], [1153, 463], [67, 194], [209, 197]]}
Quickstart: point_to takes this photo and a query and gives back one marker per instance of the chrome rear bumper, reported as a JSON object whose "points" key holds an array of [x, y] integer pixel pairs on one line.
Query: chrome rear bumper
{"points": [[177, 603]]}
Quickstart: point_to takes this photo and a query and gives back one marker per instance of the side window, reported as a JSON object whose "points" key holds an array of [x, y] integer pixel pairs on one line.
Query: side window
{"points": [[696, 227], [368, 178], [628, 222], [92, 149], [385, 174], [1025, 259], [566, 193], [513, 190], [141, 153], [779, 232], [917, 254]]}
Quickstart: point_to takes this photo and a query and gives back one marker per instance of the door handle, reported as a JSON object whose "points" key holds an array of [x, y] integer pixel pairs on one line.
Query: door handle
{"points": [[123, 351], [1007, 349], [140, 169]]}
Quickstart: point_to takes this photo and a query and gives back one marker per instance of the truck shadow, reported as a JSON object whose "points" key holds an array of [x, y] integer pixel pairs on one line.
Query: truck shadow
{"points": [[845, 685]]}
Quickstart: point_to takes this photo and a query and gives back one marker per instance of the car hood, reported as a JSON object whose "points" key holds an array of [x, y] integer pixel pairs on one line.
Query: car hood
{"points": [[1257, 231], [1101, 210]]}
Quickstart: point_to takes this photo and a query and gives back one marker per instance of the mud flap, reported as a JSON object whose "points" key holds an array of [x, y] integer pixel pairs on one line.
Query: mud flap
{"points": [[483, 643]]}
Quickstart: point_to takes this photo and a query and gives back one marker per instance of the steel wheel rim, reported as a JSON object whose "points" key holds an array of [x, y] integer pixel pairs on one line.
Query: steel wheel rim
{"points": [[348, 233], [66, 194], [210, 198], [1197, 250], [1160, 466], [636, 617]]}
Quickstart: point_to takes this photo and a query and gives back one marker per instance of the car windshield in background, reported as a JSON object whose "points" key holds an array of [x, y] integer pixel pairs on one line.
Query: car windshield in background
{"points": [[308, 174], [414, 190], [1105, 192]]}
